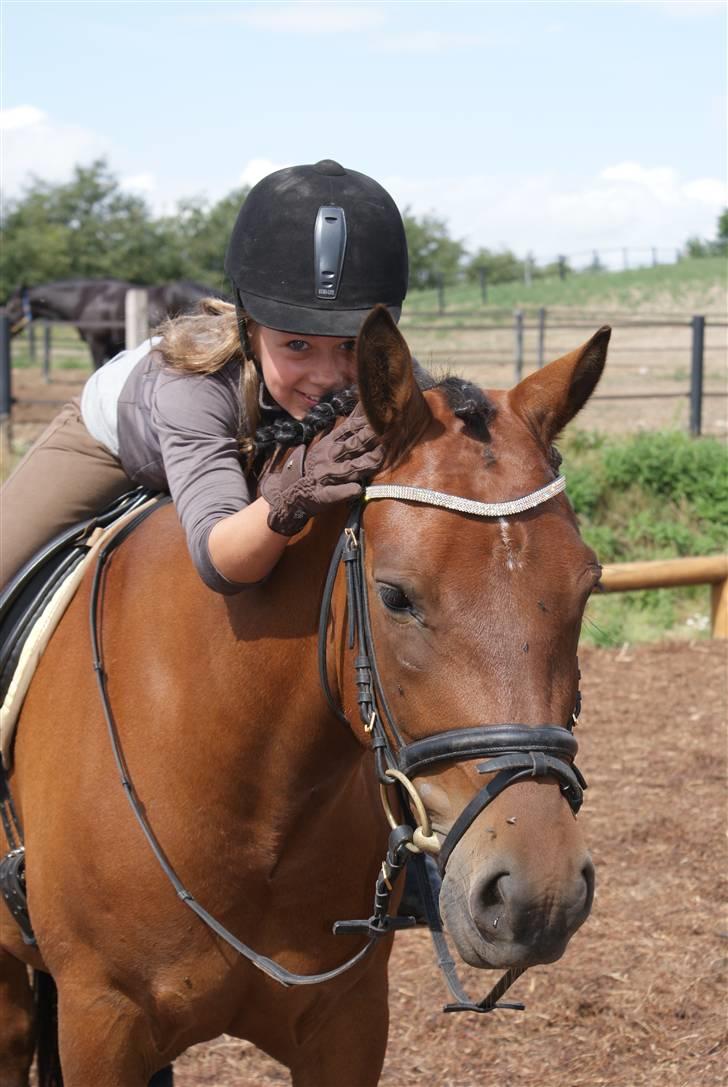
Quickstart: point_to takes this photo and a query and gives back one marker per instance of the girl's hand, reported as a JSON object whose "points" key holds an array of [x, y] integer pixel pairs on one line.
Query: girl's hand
{"points": [[331, 471]]}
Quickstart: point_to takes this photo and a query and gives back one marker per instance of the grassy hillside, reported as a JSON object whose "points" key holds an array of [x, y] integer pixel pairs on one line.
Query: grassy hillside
{"points": [[689, 286]]}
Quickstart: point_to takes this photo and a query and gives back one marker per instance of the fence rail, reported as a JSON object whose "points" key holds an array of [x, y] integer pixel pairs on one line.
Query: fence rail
{"points": [[670, 573], [521, 323]]}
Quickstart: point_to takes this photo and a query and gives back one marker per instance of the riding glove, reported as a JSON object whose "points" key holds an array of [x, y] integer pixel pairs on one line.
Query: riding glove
{"points": [[312, 479]]}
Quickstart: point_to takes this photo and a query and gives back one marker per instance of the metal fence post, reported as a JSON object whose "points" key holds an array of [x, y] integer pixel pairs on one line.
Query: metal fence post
{"points": [[518, 336], [6, 394], [541, 335], [47, 332], [696, 375], [31, 342]]}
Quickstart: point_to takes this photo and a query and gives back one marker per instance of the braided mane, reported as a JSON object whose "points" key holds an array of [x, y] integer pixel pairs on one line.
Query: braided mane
{"points": [[466, 400]]}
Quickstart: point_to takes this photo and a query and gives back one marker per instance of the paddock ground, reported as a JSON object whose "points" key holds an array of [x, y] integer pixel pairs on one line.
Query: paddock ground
{"points": [[639, 998]]}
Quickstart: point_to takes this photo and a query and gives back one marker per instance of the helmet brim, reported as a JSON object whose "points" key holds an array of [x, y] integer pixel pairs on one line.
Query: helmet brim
{"points": [[311, 321]]}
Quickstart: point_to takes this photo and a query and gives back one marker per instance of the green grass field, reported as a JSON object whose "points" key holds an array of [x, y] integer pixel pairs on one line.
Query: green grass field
{"points": [[678, 288]]}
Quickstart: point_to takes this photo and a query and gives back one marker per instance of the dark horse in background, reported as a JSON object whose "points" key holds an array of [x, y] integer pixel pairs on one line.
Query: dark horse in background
{"points": [[92, 303]]}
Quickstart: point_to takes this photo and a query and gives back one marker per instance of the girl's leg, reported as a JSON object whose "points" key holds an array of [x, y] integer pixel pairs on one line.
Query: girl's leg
{"points": [[65, 477]]}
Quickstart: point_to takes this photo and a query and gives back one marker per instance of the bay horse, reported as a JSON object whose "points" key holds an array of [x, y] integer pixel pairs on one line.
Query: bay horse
{"points": [[89, 303], [259, 782]]}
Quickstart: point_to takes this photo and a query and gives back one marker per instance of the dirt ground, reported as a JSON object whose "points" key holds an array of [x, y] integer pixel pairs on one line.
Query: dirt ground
{"points": [[639, 999]]}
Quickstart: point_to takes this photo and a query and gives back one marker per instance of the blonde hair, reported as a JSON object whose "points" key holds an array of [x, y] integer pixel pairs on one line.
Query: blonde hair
{"points": [[205, 341]]}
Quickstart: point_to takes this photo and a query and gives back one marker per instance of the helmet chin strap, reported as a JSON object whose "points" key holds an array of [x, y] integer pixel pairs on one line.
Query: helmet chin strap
{"points": [[245, 344]]}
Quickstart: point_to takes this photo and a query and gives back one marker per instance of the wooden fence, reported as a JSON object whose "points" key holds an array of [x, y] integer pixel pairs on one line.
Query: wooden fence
{"points": [[670, 573]]}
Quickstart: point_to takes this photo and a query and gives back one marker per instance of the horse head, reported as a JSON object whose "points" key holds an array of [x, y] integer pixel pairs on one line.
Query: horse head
{"points": [[17, 309], [474, 623]]}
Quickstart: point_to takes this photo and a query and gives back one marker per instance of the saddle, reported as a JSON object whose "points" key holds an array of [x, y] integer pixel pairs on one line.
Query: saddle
{"points": [[32, 604]]}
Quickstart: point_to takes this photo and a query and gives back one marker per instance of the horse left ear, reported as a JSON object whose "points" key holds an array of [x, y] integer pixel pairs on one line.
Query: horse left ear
{"points": [[551, 397], [390, 396]]}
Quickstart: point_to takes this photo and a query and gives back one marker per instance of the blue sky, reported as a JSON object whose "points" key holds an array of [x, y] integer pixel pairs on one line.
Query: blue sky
{"points": [[550, 127]]}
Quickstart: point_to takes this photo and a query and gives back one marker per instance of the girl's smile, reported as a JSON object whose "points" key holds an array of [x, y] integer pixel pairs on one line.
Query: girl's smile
{"points": [[298, 370]]}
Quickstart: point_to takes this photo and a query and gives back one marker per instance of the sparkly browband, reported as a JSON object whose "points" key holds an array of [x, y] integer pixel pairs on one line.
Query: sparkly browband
{"points": [[465, 505]]}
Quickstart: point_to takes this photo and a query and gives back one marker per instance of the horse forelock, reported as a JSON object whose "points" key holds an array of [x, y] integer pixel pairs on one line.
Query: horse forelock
{"points": [[469, 403]]}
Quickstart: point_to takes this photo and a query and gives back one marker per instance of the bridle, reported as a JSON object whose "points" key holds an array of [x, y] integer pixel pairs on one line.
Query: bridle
{"points": [[513, 753]]}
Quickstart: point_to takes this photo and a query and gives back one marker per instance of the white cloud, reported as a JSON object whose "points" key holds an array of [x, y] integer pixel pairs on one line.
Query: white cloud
{"points": [[35, 143], [20, 117], [430, 41], [256, 169], [139, 183], [311, 18], [626, 204]]}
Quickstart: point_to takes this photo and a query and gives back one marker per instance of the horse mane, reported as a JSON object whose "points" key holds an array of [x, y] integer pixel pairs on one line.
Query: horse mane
{"points": [[466, 400]]}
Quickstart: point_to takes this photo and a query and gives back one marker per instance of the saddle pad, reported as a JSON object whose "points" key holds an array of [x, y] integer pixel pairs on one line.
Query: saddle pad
{"points": [[44, 626]]}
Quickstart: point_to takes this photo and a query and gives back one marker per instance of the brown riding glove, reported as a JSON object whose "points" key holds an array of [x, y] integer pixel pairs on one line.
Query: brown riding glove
{"points": [[312, 479]]}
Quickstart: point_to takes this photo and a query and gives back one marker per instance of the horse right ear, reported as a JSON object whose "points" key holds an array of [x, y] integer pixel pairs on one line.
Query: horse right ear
{"points": [[548, 399], [390, 396]]}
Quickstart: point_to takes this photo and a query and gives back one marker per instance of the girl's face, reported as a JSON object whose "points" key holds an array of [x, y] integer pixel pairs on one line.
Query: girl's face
{"points": [[298, 369]]}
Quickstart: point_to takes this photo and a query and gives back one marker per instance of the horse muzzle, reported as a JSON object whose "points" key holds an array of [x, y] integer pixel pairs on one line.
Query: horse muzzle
{"points": [[506, 914]]}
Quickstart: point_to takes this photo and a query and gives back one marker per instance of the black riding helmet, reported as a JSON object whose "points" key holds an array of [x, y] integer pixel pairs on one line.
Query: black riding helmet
{"points": [[314, 248]]}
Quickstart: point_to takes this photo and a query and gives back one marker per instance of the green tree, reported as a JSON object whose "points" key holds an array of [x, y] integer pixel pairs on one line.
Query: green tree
{"points": [[85, 227], [500, 267], [432, 252], [197, 234]]}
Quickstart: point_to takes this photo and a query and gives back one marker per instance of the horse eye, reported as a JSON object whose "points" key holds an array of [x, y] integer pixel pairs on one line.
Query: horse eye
{"points": [[394, 599]]}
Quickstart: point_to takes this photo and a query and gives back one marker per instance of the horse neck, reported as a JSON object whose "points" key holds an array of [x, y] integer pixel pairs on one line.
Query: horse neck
{"points": [[297, 741]]}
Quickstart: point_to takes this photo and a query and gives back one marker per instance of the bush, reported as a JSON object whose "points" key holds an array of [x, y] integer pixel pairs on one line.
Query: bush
{"points": [[650, 496]]}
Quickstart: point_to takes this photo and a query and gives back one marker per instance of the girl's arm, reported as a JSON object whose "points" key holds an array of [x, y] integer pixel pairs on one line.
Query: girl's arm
{"points": [[242, 546]]}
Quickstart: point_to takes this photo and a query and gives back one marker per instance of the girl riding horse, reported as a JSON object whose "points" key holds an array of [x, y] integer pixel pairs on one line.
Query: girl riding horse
{"points": [[313, 249]]}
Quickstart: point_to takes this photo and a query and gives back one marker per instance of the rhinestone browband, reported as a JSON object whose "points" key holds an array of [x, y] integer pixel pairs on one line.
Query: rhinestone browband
{"points": [[465, 505]]}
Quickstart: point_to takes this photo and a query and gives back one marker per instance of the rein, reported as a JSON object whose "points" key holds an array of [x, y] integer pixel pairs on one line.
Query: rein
{"points": [[513, 753]]}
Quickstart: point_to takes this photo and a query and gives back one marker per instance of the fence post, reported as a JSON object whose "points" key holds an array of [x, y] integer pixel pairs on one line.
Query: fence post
{"points": [[483, 275], [47, 331], [541, 335], [696, 376], [6, 395], [136, 316], [31, 342], [518, 335], [440, 293]]}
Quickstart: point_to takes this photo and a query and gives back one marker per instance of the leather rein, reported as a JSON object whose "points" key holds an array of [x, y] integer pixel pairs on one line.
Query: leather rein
{"points": [[513, 752]]}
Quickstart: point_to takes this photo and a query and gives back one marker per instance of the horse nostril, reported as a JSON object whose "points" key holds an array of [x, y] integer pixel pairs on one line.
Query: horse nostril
{"points": [[488, 900], [588, 876]]}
